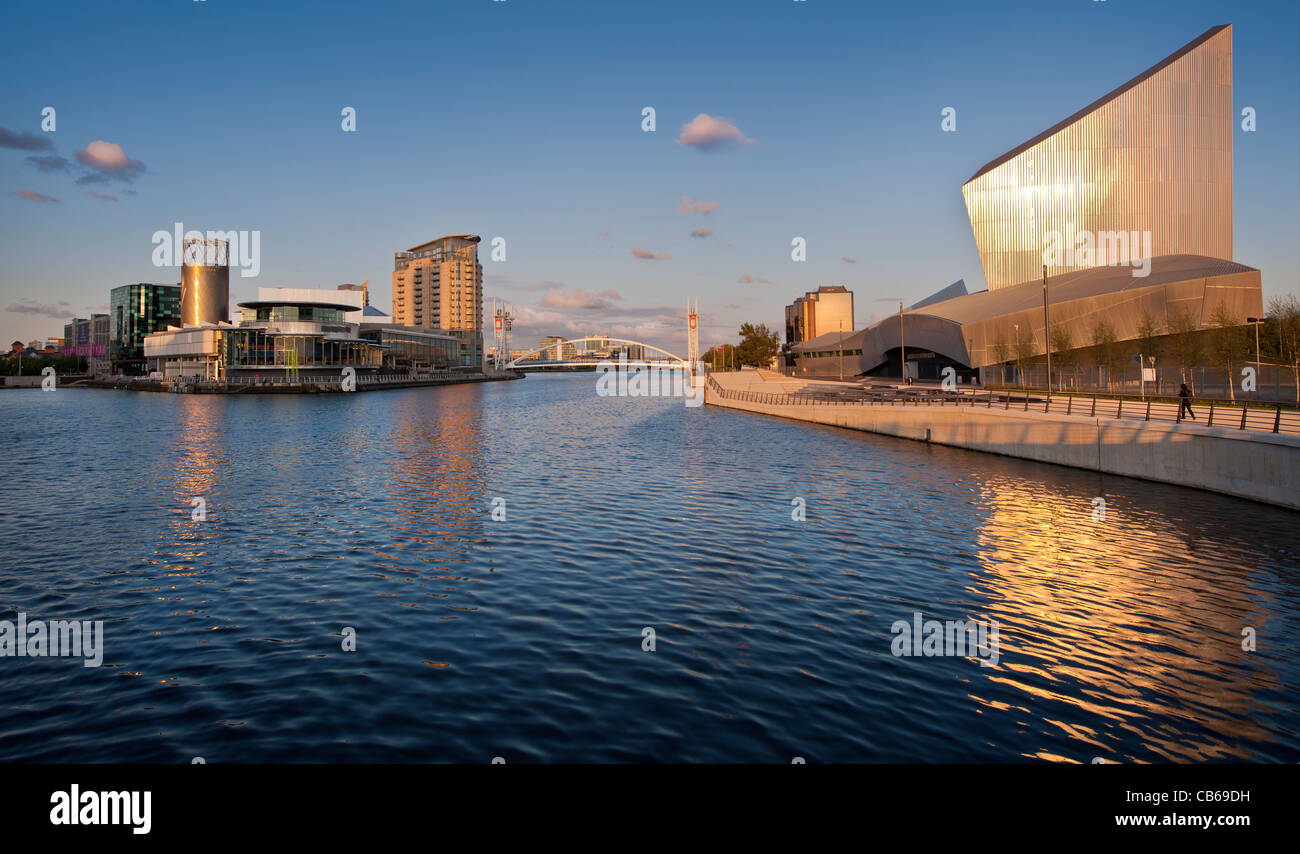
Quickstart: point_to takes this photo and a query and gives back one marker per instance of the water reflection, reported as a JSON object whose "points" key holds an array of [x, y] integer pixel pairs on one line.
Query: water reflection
{"points": [[523, 638], [1118, 619], [436, 477]]}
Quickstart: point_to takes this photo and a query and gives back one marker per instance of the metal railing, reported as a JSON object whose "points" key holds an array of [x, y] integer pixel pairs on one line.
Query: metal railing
{"points": [[335, 379], [1216, 413]]}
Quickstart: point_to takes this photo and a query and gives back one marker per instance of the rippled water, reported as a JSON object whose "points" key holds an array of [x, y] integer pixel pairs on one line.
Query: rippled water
{"points": [[522, 638]]}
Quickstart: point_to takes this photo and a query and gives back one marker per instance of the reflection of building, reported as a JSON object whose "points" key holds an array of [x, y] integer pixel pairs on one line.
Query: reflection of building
{"points": [[1154, 155], [136, 311], [827, 309], [275, 338], [439, 286]]}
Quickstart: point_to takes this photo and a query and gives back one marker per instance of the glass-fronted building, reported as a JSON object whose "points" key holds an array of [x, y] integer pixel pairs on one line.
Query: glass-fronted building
{"points": [[136, 311], [275, 339], [406, 348], [1153, 157]]}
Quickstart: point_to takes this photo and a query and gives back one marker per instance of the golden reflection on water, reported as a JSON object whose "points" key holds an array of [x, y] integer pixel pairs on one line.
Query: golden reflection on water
{"points": [[1113, 614], [437, 480], [195, 464]]}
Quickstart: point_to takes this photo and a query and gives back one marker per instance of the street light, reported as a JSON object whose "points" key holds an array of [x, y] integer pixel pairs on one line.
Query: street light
{"points": [[1047, 336], [1256, 321], [841, 350], [1019, 368]]}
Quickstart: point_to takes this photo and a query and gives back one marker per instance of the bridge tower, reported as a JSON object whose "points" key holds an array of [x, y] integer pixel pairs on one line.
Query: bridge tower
{"points": [[502, 320], [692, 333]]}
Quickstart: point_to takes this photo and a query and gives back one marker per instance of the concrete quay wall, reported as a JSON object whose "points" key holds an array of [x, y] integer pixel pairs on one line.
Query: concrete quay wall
{"points": [[1260, 466]]}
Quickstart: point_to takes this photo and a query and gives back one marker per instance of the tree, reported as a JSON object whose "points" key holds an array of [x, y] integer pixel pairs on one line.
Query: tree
{"points": [[1024, 349], [1148, 335], [1063, 352], [1001, 352], [1184, 341], [1284, 312], [1106, 349], [1227, 342], [758, 345]]}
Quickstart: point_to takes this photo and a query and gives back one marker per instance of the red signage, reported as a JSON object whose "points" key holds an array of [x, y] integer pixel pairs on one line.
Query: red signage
{"points": [[692, 321]]}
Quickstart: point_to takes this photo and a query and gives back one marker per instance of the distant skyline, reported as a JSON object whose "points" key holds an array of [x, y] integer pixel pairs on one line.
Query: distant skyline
{"points": [[523, 120]]}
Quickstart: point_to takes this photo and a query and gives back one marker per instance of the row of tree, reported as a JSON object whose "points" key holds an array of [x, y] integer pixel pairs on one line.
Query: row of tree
{"points": [[758, 346], [1225, 344], [33, 365]]}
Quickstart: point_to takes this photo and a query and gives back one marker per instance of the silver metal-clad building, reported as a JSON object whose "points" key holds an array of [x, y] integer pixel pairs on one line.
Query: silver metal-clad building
{"points": [[1153, 156]]}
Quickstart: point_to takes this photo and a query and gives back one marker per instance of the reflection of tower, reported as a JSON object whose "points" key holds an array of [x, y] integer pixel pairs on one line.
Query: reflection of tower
{"points": [[205, 281], [692, 333]]}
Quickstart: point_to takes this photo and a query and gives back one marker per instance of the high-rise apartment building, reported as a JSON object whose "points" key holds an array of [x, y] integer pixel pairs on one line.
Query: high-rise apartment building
{"points": [[439, 286], [134, 312]]}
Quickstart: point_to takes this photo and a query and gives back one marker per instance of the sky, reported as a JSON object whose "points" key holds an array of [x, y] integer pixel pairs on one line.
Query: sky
{"points": [[523, 119]]}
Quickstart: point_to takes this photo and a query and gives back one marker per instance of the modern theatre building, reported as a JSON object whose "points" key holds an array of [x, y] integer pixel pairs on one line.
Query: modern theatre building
{"points": [[1123, 210]]}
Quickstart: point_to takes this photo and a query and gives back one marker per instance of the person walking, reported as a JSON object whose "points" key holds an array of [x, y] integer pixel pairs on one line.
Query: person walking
{"points": [[1185, 402]]}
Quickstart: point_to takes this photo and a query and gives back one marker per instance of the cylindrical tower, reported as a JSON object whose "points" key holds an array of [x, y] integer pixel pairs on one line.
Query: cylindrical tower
{"points": [[205, 281]]}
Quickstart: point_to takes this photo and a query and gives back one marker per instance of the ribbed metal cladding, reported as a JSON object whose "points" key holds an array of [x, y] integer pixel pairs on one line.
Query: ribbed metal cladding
{"points": [[205, 285], [1154, 155]]}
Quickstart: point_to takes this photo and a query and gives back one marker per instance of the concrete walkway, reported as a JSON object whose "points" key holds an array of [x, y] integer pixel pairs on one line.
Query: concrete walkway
{"points": [[1253, 463]]}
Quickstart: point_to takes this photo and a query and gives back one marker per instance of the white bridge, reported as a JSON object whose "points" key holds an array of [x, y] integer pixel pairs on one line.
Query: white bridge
{"points": [[581, 360]]}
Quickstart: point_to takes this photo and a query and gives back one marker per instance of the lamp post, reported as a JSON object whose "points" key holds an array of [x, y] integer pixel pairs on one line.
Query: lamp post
{"points": [[1047, 335], [902, 342], [841, 350], [1019, 367], [1256, 321]]}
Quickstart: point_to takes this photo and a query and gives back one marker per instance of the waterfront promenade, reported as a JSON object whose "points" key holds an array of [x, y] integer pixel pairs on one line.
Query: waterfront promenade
{"points": [[1108, 436]]}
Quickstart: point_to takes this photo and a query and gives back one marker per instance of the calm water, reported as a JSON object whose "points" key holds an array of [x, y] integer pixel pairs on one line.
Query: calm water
{"points": [[522, 638]]}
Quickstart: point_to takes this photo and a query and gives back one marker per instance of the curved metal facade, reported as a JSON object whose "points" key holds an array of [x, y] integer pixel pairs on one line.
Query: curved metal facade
{"points": [[968, 329], [205, 286], [1155, 155]]}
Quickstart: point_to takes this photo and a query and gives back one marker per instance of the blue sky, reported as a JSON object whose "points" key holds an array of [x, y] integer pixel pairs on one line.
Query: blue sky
{"points": [[522, 119]]}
